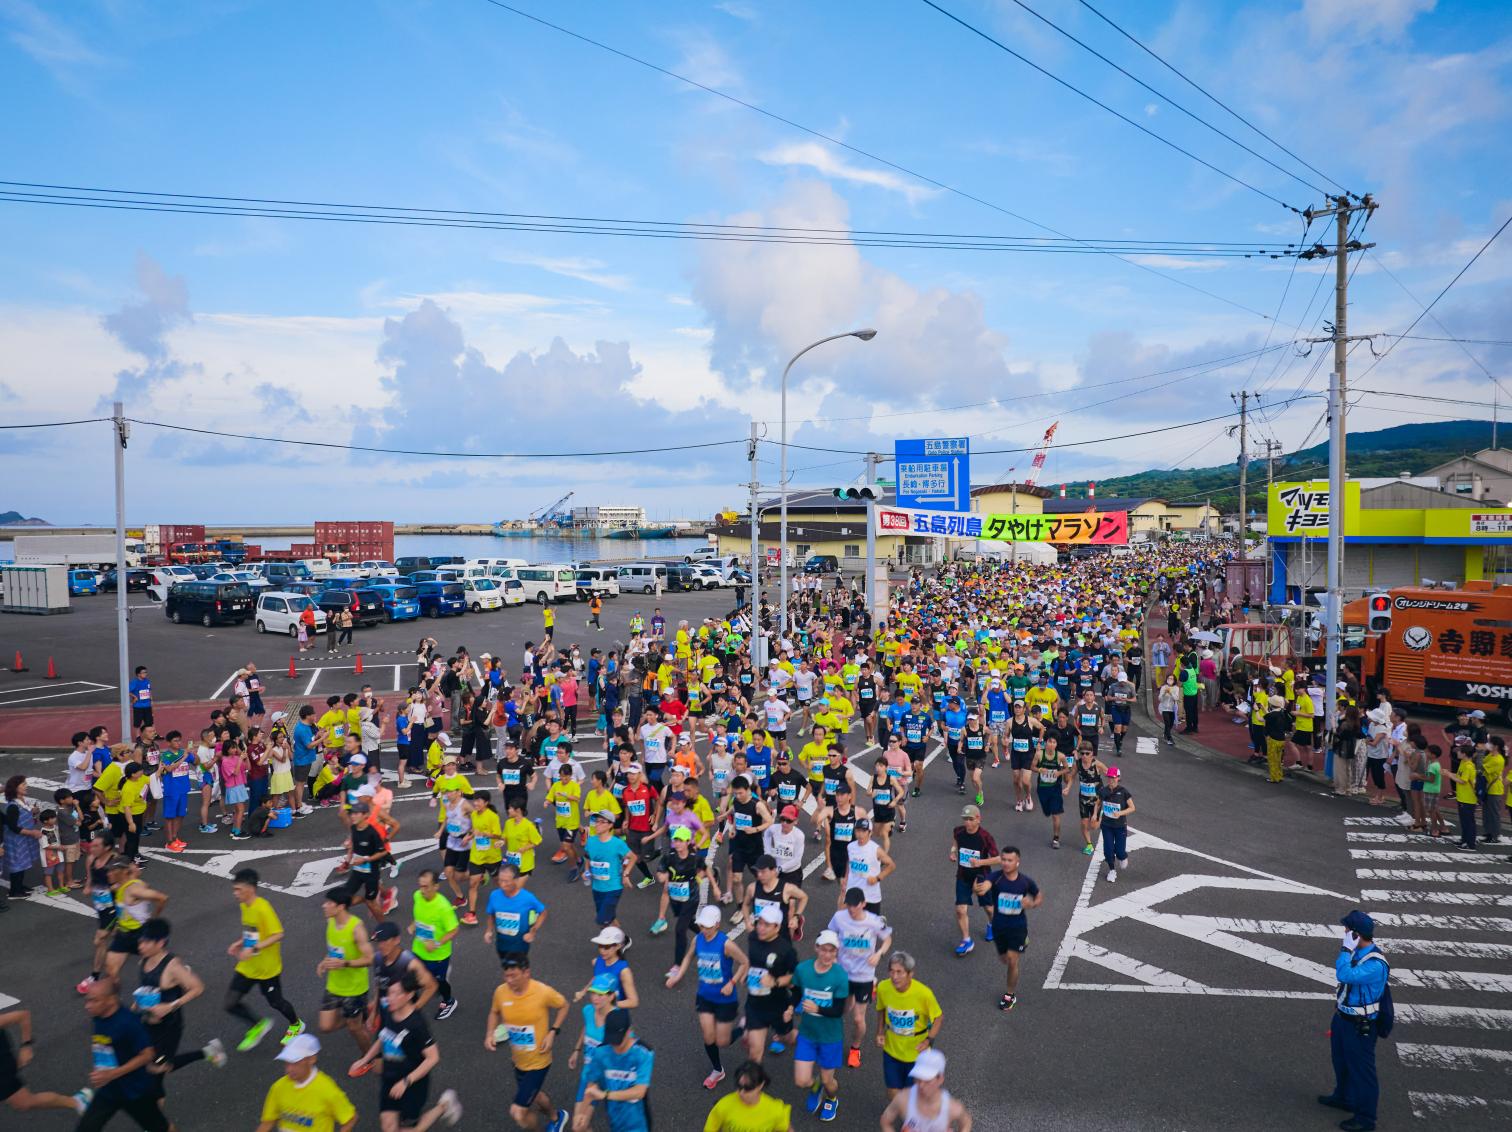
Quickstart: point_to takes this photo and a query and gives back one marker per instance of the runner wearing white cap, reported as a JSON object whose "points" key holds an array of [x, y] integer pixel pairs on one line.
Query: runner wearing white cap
{"points": [[926, 1106]]}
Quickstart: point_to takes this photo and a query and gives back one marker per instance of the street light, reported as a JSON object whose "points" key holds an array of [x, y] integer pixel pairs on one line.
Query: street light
{"points": [[782, 478]]}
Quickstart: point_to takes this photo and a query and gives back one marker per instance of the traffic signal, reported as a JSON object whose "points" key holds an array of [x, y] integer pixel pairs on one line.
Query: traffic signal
{"points": [[1380, 613], [864, 494]]}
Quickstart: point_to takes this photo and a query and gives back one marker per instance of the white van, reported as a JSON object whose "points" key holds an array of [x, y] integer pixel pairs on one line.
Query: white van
{"points": [[488, 562], [279, 612], [482, 593], [548, 581], [602, 580], [347, 570], [642, 577], [318, 567]]}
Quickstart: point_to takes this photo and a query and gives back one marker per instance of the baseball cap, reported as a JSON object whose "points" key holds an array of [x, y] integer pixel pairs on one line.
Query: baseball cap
{"points": [[386, 930], [357, 760], [863, 823], [1113, 772], [1359, 923], [604, 984], [1477, 714], [360, 807], [609, 935], [635, 768], [771, 914], [827, 938], [789, 813], [708, 916], [929, 1065], [603, 815], [682, 833], [366, 791], [970, 812], [616, 1026], [300, 1047]]}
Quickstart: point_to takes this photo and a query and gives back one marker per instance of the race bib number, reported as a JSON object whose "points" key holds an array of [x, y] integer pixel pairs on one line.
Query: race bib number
{"points": [[425, 933], [482, 843], [744, 821], [753, 981], [1048, 776], [1021, 745], [564, 809], [1110, 809], [787, 791], [103, 1054], [967, 857], [507, 923], [844, 830], [145, 998], [902, 1022], [710, 970], [636, 807], [510, 777], [821, 998], [522, 1038], [679, 890], [599, 870], [1010, 904], [1088, 789]]}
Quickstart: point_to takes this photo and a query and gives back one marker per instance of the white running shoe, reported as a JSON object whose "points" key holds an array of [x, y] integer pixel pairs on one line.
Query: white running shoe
{"points": [[1112, 874]]}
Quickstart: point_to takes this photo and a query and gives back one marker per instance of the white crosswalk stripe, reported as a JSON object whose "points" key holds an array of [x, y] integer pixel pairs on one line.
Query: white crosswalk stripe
{"points": [[1466, 957]]}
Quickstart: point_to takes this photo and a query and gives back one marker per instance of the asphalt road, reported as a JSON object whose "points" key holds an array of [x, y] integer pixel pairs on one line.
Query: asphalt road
{"points": [[1192, 994], [190, 662]]}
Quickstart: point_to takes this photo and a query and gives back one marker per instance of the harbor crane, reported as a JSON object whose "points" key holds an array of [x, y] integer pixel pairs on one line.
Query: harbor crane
{"points": [[544, 514]]}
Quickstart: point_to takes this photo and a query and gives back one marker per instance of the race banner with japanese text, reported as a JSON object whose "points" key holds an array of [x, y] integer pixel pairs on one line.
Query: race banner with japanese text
{"points": [[1087, 528]]}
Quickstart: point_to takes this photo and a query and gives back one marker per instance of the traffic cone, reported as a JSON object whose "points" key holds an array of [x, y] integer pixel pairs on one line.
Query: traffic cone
{"points": [[358, 668], [293, 671], [20, 665], [52, 669]]}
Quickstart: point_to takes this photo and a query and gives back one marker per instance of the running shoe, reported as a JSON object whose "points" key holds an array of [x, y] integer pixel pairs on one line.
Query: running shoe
{"points": [[360, 1070], [903, 825], [559, 856], [1087, 849], [451, 1106], [209, 829], [980, 798], [446, 1011], [256, 1034], [294, 1030], [960, 788], [84, 984], [458, 901], [177, 846], [1112, 875], [1007, 1002], [829, 874], [240, 835], [987, 935], [562, 1121], [644, 882], [914, 793], [305, 808], [778, 1047], [713, 1079], [829, 1109], [853, 1057], [659, 926], [573, 876], [815, 1095], [964, 948], [628, 943], [470, 919], [1018, 807], [215, 1053], [82, 1098], [1055, 843], [1029, 805], [798, 931], [390, 897]]}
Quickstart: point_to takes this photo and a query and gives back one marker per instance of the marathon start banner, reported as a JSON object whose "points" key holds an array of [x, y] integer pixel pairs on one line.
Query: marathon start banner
{"points": [[1087, 528]]}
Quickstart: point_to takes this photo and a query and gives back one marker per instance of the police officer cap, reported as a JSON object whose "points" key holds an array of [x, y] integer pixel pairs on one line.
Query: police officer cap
{"points": [[1359, 923]]}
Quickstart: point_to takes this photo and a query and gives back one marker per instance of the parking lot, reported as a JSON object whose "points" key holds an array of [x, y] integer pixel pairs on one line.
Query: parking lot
{"points": [[190, 662]]}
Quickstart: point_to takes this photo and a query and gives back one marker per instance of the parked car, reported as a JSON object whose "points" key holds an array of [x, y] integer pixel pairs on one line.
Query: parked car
{"points": [[821, 564], [713, 578], [407, 566], [512, 590], [400, 602], [683, 578], [346, 570], [334, 583], [164, 578], [441, 599], [137, 581], [482, 593], [318, 567], [252, 578], [280, 572], [365, 606], [86, 582], [602, 580], [642, 577], [548, 582], [702, 554], [378, 568], [209, 603], [278, 611], [204, 571]]}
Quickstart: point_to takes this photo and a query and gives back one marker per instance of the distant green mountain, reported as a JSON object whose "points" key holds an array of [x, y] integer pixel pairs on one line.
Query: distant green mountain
{"points": [[16, 518], [1412, 448]]}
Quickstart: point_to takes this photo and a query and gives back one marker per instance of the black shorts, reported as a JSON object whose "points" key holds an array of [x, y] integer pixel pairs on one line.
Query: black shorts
{"points": [[347, 1005], [867, 707], [410, 1105], [105, 919], [862, 992], [528, 1083], [141, 716], [1010, 938], [1087, 808], [882, 814], [974, 762], [567, 836], [245, 984], [364, 882], [743, 857], [722, 1011], [490, 869], [454, 859], [765, 1016], [125, 942], [1020, 760]]}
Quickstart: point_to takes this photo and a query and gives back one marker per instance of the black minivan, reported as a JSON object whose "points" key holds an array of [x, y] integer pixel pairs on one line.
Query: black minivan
{"points": [[209, 603], [407, 566]]}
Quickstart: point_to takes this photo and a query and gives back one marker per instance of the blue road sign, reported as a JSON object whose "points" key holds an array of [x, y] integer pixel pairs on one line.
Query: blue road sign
{"points": [[934, 474]]}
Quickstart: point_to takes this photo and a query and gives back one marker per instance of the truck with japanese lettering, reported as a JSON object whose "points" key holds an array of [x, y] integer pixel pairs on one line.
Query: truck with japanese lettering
{"points": [[1452, 648]]}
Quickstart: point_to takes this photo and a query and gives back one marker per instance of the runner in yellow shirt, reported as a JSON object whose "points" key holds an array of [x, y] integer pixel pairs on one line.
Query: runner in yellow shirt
{"points": [[304, 1099]]}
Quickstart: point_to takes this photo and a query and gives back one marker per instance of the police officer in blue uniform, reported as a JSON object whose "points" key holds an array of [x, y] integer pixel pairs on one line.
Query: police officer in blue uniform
{"points": [[1362, 1013]]}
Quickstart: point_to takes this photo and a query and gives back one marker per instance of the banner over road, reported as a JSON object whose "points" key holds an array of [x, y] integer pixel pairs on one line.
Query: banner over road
{"points": [[1090, 528]]}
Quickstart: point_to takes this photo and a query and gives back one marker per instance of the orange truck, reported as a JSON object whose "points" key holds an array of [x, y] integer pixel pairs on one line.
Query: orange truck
{"points": [[1447, 647]]}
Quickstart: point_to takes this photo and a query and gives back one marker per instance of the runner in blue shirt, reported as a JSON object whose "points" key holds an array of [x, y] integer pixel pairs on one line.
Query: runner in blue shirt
{"points": [[513, 915], [609, 863], [954, 725], [618, 1077]]}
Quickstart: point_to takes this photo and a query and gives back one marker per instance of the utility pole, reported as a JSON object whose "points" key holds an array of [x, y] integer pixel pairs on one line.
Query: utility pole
{"points": [[758, 657], [122, 432], [1342, 209], [1243, 400], [871, 543]]}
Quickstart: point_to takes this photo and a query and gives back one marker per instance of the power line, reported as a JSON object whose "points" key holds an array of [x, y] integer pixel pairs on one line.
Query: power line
{"points": [[1448, 337], [1209, 95], [1168, 99], [651, 229], [1000, 45], [822, 136], [422, 452], [57, 424]]}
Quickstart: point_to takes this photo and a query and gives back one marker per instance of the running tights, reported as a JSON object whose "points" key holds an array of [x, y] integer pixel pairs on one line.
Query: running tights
{"points": [[271, 991]]}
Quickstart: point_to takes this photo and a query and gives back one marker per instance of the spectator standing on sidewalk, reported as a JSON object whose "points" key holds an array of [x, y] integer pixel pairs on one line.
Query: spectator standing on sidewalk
{"points": [[1191, 693], [1494, 768], [1160, 659], [1169, 703], [1278, 726], [1207, 676]]}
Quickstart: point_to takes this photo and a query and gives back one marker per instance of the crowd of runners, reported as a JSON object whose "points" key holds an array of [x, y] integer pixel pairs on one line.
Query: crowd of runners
{"points": [[763, 810]]}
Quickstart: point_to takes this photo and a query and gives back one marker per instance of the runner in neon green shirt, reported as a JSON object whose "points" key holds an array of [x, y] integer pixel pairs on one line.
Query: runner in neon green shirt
{"points": [[435, 926]]}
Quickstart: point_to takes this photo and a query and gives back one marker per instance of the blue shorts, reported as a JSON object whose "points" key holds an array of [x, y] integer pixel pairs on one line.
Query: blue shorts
{"points": [[176, 801], [528, 1083], [829, 1055], [1051, 800], [1119, 713], [895, 1073], [606, 907], [964, 895]]}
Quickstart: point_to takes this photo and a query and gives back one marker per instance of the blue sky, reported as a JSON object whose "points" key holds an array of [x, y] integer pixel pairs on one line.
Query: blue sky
{"points": [[505, 341]]}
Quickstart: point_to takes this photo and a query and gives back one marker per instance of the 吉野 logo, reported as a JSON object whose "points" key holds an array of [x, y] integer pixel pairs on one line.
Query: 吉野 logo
{"points": [[1417, 637]]}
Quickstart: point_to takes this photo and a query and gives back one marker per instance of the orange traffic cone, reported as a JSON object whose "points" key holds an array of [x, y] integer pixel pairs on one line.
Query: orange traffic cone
{"points": [[358, 668], [20, 665], [52, 669], [293, 671]]}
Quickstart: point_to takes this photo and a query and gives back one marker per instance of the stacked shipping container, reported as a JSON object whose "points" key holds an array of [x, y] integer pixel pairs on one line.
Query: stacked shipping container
{"points": [[355, 541]]}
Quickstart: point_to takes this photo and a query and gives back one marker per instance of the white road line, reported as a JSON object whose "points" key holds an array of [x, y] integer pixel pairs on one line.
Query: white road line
{"points": [[45, 687], [398, 671], [1384, 838], [1461, 1017], [1426, 1106], [1458, 949], [1146, 745], [1146, 974], [314, 676], [1200, 928], [1483, 981], [1434, 876], [1412, 896], [1450, 948], [1068, 942], [1441, 923], [221, 691], [1372, 821], [62, 903], [1417, 1055], [60, 695], [6, 1001], [1427, 857]]}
